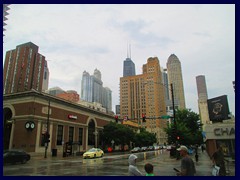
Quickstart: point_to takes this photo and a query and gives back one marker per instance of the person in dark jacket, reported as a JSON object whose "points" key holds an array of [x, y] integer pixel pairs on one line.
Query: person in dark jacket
{"points": [[218, 160], [187, 164]]}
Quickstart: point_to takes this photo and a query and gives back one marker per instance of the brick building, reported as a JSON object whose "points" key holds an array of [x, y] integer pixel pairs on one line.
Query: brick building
{"points": [[29, 115]]}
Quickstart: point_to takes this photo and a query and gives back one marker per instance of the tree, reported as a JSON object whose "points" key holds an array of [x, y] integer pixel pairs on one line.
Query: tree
{"points": [[121, 134], [187, 130], [144, 138]]}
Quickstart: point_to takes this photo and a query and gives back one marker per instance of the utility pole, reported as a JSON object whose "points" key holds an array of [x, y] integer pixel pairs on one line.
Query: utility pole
{"points": [[47, 133], [174, 121], [174, 113]]}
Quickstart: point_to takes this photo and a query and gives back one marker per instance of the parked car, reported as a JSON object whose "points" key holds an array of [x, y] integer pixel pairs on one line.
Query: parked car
{"points": [[144, 148], [136, 149], [150, 148], [93, 153], [169, 147], [15, 156]]}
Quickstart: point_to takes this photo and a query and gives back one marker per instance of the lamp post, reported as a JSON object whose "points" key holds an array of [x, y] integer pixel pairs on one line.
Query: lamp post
{"points": [[47, 133]]}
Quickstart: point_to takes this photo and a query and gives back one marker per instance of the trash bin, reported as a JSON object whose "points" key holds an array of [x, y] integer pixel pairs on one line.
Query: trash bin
{"points": [[54, 152]]}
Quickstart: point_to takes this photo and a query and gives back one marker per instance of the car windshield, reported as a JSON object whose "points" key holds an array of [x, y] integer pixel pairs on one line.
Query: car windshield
{"points": [[92, 150]]}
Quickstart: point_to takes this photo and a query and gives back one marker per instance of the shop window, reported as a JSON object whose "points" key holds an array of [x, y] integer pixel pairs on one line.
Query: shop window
{"points": [[59, 135]]}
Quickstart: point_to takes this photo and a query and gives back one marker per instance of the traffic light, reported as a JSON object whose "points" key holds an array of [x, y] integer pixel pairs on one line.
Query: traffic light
{"points": [[143, 117], [46, 137], [178, 137], [116, 118]]}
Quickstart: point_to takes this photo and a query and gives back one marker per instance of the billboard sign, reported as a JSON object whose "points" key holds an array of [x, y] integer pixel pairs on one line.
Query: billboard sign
{"points": [[218, 108]]}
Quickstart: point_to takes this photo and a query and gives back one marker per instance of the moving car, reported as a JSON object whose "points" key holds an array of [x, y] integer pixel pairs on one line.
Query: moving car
{"points": [[93, 153], [14, 156]]}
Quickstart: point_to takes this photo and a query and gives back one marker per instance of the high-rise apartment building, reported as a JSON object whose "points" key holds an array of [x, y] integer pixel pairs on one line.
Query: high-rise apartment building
{"points": [[174, 71], [25, 69], [144, 94], [202, 99], [92, 90]]}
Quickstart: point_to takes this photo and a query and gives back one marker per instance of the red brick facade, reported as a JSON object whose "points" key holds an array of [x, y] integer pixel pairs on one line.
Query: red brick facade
{"points": [[33, 106]]}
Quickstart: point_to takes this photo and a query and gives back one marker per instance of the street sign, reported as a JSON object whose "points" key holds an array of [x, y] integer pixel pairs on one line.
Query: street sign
{"points": [[165, 117]]}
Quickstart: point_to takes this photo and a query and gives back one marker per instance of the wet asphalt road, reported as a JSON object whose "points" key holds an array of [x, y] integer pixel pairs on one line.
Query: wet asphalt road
{"points": [[109, 165]]}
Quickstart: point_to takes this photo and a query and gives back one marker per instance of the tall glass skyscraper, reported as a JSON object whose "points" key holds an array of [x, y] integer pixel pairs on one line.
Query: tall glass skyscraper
{"points": [[92, 90], [128, 67]]}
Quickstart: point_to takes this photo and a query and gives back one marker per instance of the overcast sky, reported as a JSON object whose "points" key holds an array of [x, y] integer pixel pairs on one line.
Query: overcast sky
{"points": [[74, 38]]}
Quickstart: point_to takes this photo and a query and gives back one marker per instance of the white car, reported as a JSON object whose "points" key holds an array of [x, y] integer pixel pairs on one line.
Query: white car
{"points": [[169, 147]]}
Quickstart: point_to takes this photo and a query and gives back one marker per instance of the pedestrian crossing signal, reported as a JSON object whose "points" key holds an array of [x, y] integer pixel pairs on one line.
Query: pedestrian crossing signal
{"points": [[143, 117]]}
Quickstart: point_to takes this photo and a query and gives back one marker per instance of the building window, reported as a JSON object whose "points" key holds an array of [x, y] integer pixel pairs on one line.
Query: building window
{"points": [[59, 135], [45, 75], [71, 132], [80, 135], [91, 129]]}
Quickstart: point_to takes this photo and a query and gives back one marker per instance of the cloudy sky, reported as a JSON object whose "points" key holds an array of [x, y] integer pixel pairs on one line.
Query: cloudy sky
{"points": [[74, 38]]}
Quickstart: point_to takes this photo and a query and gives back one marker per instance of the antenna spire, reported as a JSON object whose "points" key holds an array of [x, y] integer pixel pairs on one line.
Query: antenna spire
{"points": [[127, 51], [130, 50]]}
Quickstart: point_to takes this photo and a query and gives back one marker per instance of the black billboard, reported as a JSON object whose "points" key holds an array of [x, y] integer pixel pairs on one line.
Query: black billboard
{"points": [[218, 108]]}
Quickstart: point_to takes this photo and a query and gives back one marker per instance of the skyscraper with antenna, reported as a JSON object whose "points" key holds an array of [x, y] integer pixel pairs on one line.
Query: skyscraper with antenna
{"points": [[128, 64]]}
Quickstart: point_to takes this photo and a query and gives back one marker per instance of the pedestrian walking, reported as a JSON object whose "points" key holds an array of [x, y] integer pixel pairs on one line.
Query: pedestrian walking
{"points": [[149, 169], [218, 160], [196, 157], [132, 169], [187, 164], [202, 147]]}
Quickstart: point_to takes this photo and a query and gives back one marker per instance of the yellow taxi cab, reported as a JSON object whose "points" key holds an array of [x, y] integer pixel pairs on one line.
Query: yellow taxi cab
{"points": [[93, 153]]}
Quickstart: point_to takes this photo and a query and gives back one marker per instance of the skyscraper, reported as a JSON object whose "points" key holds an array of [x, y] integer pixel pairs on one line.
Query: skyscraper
{"points": [[174, 71], [25, 69], [144, 94], [202, 99], [92, 90], [128, 66]]}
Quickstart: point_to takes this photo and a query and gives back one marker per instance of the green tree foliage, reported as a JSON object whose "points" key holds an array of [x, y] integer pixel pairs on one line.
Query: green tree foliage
{"points": [[121, 134], [187, 128], [144, 138]]}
